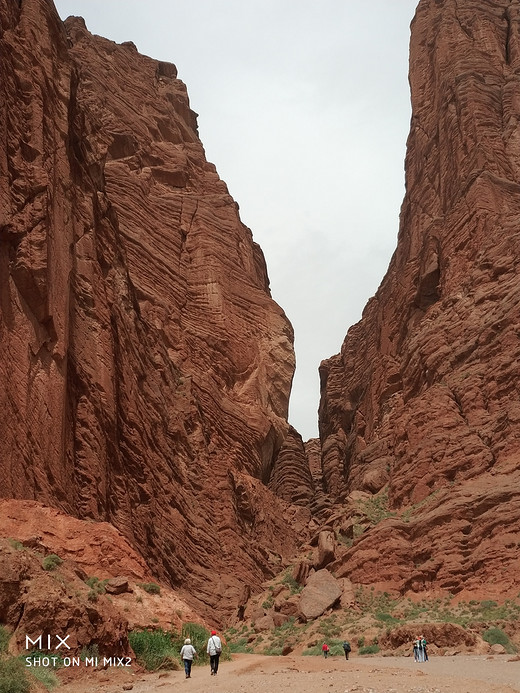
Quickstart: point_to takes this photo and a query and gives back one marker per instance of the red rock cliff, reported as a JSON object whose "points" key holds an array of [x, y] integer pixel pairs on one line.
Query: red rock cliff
{"points": [[145, 368], [424, 398]]}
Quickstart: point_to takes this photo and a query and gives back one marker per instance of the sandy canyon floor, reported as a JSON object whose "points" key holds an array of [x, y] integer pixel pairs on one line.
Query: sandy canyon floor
{"points": [[256, 673]]}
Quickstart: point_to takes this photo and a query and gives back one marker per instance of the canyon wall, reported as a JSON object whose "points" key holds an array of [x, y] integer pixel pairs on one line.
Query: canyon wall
{"points": [[422, 405], [145, 368]]}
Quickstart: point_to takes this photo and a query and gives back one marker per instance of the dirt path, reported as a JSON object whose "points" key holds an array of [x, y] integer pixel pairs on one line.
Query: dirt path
{"points": [[258, 674]]}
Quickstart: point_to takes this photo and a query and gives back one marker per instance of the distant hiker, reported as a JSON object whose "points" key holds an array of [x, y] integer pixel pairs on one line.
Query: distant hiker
{"points": [[416, 649], [423, 648], [346, 648], [187, 654], [325, 650], [214, 650]]}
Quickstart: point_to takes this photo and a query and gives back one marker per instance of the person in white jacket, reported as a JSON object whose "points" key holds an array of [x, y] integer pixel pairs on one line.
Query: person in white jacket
{"points": [[187, 654], [214, 649]]}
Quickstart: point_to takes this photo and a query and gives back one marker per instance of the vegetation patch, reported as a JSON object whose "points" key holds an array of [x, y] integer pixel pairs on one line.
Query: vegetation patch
{"points": [[16, 544], [272, 651], [46, 676], [291, 583], [97, 588], [4, 639], [335, 648], [386, 618], [496, 636], [51, 562], [369, 649], [13, 676], [328, 628], [378, 613], [240, 645], [150, 587], [154, 649], [89, 652], [376, 508]]}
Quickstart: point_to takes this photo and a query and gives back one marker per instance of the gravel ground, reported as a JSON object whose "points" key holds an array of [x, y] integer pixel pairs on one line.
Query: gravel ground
{"points": [[258, 674]]}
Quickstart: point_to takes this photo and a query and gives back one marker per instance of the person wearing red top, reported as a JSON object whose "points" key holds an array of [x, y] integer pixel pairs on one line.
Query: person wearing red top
{"points": [[325, 650]]}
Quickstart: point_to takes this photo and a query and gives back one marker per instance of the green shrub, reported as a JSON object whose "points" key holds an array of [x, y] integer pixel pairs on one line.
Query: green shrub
{"points": [[240, 645], [16, 544], [45, 675], [369, 649], [154, 649], [5, 636], [329, 630], [89, 651], [13, 676], [386, 618], [51, 562], [150, 587], [272, 651], [488, 604], [376, 507], [496, 636], [96, 584], [291, 583]]}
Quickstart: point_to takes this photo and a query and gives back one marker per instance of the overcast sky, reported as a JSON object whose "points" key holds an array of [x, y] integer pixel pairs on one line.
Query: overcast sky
{"points": [[304, 108]]}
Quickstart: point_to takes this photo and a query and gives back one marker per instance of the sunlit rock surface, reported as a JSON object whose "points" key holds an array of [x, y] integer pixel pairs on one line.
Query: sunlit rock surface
{"points": [[424, 399], [145, 369]]}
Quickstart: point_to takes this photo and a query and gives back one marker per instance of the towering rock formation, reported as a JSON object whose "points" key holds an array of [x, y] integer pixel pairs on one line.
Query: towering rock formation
{"points": [[145, 369], [424, 399]]}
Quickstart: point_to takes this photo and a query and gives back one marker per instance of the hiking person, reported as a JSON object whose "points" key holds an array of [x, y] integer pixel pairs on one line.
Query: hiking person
{"points": [[187, 654], [214, 650], [423, 647], [325, 650], [346, 648], [416, 649]]}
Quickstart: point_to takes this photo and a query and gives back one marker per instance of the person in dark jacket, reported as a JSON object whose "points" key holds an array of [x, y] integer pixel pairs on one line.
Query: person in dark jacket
{"points": [[346, 648]]}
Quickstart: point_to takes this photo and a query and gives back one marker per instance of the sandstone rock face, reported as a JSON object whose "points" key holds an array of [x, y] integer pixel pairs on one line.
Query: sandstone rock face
{"points": [[438, 634], [145, 368], [423, 399], [96, 547], [320, 593], [89, 550], [291, 478], [33, 602], [117, 585], [326, 548]]}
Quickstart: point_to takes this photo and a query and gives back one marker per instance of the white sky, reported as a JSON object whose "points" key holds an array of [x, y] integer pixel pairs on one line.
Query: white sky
{"points": [[304, 109]]}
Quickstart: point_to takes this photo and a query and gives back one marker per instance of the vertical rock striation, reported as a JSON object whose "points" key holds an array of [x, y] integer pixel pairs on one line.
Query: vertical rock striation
{"points": [[424, 397], [145, 368]]}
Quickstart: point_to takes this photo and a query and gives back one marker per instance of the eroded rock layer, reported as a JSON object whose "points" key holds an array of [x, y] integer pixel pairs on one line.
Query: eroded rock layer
{"points": [[424, 397], [145, 368]]}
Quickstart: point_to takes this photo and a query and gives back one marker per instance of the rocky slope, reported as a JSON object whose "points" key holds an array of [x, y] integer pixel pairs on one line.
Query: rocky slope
{"points": [[422, 403], [145, 368], [65, 575]]}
